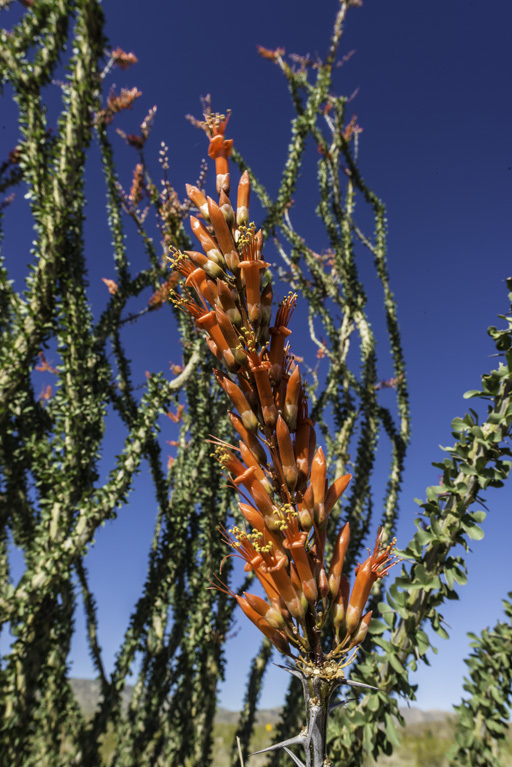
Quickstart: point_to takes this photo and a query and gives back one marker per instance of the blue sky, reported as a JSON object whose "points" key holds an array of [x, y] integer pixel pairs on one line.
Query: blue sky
{"points": [[434, 100]]}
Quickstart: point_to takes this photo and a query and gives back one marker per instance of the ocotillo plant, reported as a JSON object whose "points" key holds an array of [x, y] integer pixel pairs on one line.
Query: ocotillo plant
{"points": [[309, 614], [53, 502]]}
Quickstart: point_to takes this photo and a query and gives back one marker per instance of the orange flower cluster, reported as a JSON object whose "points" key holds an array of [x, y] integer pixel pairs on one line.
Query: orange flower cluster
{"points": [[279, 472]]}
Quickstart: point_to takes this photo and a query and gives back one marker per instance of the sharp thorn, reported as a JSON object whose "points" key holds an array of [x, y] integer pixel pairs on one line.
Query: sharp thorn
{"points": [[290, 670], [341, 703], [361, 684], [298, 740], [295, 758]]}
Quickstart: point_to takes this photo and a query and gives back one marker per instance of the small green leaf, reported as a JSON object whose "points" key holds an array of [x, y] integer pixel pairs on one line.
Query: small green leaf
{"points": [[474, 531], [442, 633], [396, 665], [391, 730], [377, 627], [477, 516], [472, 393]]}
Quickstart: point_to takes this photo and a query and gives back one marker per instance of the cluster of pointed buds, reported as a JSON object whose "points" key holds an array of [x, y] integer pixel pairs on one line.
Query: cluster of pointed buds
{"points": [[279, 472]]}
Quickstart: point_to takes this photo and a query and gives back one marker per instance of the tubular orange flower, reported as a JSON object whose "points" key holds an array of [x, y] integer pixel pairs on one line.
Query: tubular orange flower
{"points": [[220, 149], [251, 264], [376, 566], [279, 333], [266, 397], [202, 285], [209, 323]]}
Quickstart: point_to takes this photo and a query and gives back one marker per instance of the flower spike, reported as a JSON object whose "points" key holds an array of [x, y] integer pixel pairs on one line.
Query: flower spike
{"points": [[286, 494]]}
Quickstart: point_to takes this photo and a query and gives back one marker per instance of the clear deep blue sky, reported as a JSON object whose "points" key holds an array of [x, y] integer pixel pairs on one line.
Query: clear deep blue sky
{"points": [[435, 104]]}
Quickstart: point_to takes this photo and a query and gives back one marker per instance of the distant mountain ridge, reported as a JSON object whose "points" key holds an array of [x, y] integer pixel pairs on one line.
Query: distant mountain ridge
{"points": [[87, 692]]}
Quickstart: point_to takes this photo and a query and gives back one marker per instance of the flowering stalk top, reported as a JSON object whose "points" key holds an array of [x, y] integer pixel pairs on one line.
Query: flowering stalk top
{"points": [[276, 467]]}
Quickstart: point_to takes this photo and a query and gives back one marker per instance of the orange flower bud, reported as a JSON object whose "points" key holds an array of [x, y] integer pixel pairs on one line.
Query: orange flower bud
{"points": [[340, 549], [199, 259], [208, 244], [249, 480], [335, 492], [250, 460], [340, 604], [305, 509], [231, 336], [252, 516], [215, 349], [291, 402], [220, 150], [209, 323], [268, 408], [271, 614], [250, 439], [323, 583], [276, 637], [242, 203], [211, 268], [249, 420], [318, 476], [285, 587], [228, 304], [361, 631], [227, 209], [266, 303], [197, 197], [221, 229], [302, 449], [286, 453], [251, 274], [303, 565]]}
